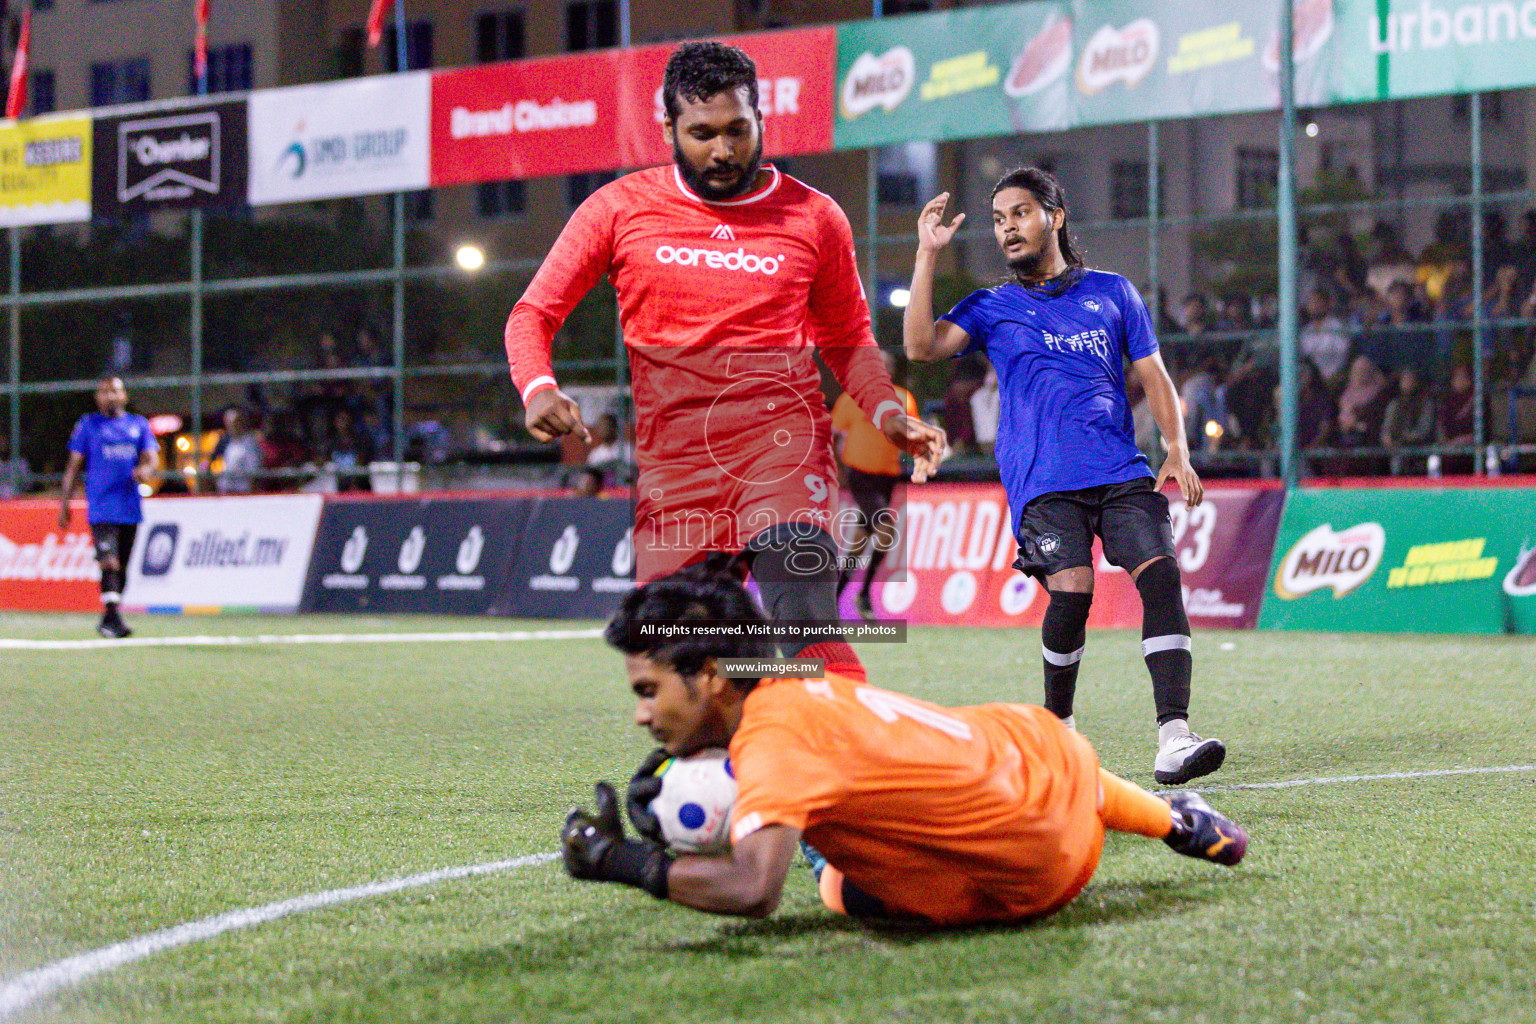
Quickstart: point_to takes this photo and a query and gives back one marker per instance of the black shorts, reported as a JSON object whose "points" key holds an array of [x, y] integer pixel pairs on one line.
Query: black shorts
{"points": [[114, 540], [872, 492], [1056, 531]]}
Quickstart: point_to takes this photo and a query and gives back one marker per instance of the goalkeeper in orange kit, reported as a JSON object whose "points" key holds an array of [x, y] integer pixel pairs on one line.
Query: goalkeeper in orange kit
{"points": [[941, 815]]}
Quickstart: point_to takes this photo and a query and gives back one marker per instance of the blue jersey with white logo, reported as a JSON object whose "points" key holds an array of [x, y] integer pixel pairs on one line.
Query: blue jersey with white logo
{"points": [[1065, 422], [111, 446]]}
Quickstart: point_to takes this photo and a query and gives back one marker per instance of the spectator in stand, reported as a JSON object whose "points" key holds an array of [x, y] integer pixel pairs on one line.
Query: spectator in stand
{"points": [[957, 411], [1325, 339], [1142, 420], [986, 410], [240, 449], [1205, 416], [349, 451], [1458, 417], [1441, 256], [1409, 420], [589, 482], [1314, 406], [1249, 385], [1195, 315], [15, 473], [369, 350], [608, 447], [1389, 262], [1501, 301], [282, 449], [1453, 315], [1522, 251], [1362, 404], [1394, 338]]}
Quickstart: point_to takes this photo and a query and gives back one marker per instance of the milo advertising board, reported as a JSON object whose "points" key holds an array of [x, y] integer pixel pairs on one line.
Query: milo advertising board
{"points": [[1457, 560]]}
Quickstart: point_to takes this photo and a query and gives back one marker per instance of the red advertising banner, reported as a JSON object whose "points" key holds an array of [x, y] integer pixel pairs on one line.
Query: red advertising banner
{"points": [[795, 69], [524, 119], [958, 546], [42, 569]]}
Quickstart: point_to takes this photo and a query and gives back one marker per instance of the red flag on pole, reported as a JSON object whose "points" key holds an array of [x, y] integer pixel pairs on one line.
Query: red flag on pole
{"points": [[17, 100], [200, 57], [376, 22]]}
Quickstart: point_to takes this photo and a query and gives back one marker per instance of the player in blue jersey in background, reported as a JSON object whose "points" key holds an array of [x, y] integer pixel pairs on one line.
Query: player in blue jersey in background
{"points": [[1058, 335], [116, 451]]}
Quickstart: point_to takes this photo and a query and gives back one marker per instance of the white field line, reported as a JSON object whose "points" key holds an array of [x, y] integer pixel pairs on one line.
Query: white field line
{"points": [[26, 988], [302, 638], [1329, 780], [33, 985]]}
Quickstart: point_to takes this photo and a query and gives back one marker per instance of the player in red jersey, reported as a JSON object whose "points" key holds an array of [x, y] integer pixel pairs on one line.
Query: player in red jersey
{"points": [[730, 275]]}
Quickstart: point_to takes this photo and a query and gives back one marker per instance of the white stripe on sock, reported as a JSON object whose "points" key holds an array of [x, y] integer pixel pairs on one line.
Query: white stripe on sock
{"points": [[110, 598], [1170, 642], [1061, 660]]}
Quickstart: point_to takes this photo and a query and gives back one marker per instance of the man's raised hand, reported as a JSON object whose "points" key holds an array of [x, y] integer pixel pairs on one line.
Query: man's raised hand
{"points": [[932, 233]]}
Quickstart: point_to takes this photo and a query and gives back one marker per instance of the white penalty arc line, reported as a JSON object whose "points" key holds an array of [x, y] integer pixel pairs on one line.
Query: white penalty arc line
{"points": [[33, 985], [303, 638], [26, 988]]}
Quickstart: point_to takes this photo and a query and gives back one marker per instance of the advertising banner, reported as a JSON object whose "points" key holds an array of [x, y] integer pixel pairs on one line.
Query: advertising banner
{"points": [[959, 548], [576, 559], [229, 554], [523, 119], [171, 158], [1396, 48], [41, 568], [794, 87], [356, 137], [1454, 560], [45, 171], [445, 556]]}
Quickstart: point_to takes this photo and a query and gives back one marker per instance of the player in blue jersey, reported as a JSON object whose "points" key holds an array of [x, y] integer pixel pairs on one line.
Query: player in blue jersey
{"points": [[1058, 335], [115, 451]]}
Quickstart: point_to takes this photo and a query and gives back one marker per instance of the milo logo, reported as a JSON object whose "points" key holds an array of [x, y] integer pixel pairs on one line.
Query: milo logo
{"points": [[1325, 558]]}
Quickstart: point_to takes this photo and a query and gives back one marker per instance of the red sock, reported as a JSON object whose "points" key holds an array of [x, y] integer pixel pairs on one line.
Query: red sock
{"points": [[839, 657]]}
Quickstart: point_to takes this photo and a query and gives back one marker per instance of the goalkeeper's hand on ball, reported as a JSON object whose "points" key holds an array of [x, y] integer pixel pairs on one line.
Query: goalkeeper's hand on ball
{"points": [[595, 850], [643, 788]]}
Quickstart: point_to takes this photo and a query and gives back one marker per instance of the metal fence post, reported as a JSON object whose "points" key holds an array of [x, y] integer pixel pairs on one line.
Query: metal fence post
{"points": [[1285, 203]]}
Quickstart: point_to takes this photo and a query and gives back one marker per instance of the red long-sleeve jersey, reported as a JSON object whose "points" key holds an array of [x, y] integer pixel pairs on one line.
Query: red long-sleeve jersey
{"points": [[713, 295]]}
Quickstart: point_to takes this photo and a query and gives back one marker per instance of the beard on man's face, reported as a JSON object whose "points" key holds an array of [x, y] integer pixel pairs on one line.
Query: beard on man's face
{"points": [[707, 184], [1028, 264]]}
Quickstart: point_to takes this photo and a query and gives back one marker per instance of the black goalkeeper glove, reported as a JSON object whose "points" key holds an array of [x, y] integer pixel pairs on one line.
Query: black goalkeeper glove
{"points": [[643, 788], [595, 849]]}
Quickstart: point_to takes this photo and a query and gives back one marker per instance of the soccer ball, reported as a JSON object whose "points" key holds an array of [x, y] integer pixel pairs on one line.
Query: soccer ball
{"points": [[694, 805]]}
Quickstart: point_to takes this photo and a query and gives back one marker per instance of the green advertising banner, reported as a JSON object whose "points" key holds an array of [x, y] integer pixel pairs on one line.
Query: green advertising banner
{"points": [[992, 71], [1053, 65], [1457, 560], [1389, 49]]}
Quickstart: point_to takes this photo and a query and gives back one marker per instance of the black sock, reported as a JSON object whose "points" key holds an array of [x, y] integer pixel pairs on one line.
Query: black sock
{"points": [[1062, 636], [876, 557], [1165, 643]]}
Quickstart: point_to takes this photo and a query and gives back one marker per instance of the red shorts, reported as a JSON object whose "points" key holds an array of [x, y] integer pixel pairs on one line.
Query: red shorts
{"points": [[683, 512]]}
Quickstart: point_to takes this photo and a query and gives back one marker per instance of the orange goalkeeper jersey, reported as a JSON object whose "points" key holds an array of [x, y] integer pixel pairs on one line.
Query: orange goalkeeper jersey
{"points": [[952, 814]]}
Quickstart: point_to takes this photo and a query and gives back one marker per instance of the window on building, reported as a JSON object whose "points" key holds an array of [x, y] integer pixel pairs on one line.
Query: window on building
{"points": [[499, 36], [42, 5], [906, 173], [418, 206], [1128, 189], [1258, 176], [229, 68], [41, 92], [591, 24], [501, 198], [892, 8], [120, 81], [579, 186], [1493, 107], [418, 46]]}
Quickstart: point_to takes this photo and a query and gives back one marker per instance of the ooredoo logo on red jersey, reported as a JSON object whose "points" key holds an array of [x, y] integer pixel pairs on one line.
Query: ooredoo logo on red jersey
{"points": [[737, 260]]}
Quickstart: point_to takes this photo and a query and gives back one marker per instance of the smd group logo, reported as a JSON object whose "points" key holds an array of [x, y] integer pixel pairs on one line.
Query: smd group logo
{"points": [[1325, 558]]}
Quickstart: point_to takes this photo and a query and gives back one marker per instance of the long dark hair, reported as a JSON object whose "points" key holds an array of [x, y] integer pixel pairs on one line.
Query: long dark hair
{"points": [[706, 592], [1048, 193], [699, 70]]}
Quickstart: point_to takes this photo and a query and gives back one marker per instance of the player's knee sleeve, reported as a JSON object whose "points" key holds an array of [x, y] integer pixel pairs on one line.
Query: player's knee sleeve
{"points": [[795, 566], [1064, 628], [1162, 606]]}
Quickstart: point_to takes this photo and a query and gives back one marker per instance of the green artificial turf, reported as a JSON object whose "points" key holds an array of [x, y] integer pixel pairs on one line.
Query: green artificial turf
{"points": [[141, 788]]}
